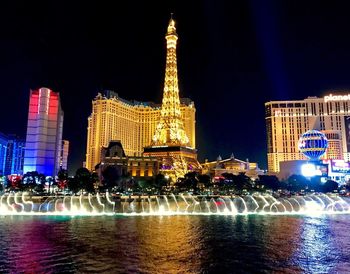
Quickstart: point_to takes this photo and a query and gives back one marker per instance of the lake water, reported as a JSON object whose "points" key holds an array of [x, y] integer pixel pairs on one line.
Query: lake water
{"points": [[175, 244]]}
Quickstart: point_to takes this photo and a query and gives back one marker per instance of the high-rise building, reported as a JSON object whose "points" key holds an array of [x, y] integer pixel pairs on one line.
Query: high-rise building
{"points": [[3, 153], [131, 122], [44, 132], [64, 154], [170, 142], [15, 155], [286, 121]]}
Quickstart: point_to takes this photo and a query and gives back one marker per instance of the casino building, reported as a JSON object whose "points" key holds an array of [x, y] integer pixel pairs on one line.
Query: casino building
{"points": [[132, 122], [286, 121], [163, 131]]}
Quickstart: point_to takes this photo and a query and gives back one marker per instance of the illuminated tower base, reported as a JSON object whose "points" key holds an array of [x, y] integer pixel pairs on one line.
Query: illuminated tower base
{"points": [[176, 161], [170, 143]]}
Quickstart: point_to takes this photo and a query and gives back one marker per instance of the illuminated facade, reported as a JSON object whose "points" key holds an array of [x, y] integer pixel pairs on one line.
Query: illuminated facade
{"points": [[132, 122], [64, 154], [286, 121], [44, 132], [170, 142], [140, 125], [230, 165], [15, 155], [335, 147], [170, 129], [3, 153], [135, 166]]}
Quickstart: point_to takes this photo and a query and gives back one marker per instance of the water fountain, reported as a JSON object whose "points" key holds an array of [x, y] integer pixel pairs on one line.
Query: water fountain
{"points": [[106, 204]]}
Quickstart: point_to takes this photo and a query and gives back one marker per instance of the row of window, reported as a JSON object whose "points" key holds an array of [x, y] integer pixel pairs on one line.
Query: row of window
{"points": [[289, 105]]}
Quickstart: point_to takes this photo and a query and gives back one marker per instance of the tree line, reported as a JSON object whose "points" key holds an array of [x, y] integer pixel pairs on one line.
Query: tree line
{"points": [[83, 181], [193, 182], [239, 184]]}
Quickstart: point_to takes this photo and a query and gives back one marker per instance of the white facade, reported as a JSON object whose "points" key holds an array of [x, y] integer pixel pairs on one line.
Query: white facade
{"points": [[286, 121]]}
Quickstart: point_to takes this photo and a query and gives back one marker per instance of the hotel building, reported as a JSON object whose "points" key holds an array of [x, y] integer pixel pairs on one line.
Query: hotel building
{"points": [[132, 122], [44, 132], [286, 121], [3, 153], [64, 154], [11, 154], [165, 132], [15, 155]]}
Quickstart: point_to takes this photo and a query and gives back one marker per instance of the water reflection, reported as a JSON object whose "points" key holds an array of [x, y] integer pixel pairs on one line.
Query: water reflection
{"points": [[251, 243], [29, 246], [175, 244], [137, 244], [324, 247]]}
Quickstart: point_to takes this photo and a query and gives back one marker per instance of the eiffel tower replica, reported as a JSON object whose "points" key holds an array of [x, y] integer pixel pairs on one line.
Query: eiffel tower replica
{"points": [[170, 143]]}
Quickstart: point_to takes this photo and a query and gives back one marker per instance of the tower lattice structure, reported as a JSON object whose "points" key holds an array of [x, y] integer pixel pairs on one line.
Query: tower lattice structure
{"points": [[170, 129], [170, 143]]}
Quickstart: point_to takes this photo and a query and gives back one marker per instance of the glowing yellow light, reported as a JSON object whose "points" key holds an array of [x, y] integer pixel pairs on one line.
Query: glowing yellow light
{"points": [[170, 129]]}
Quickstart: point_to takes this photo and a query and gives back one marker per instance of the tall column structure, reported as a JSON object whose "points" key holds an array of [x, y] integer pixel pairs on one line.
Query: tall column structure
{"points": [[44, 132], [170, 142], [170, 129]]}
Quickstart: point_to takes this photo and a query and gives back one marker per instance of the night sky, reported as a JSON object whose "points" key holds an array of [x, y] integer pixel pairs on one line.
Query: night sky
{"points": [[232, 57]]}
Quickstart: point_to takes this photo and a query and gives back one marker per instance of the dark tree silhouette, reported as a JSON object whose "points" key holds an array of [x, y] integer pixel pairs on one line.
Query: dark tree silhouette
{"points": [[73, 185], [62, 178], [33, 181], [297, 183], [160, 182], [83, 180], [330, 186], [110, 177], [204, 181]]}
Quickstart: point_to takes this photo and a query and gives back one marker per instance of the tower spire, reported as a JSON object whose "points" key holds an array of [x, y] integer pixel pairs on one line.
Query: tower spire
{"points": [[170, 129], [170, 143]]}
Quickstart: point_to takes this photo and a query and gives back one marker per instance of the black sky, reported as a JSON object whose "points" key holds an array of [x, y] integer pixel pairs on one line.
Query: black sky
{"points": [[232, 57]]}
